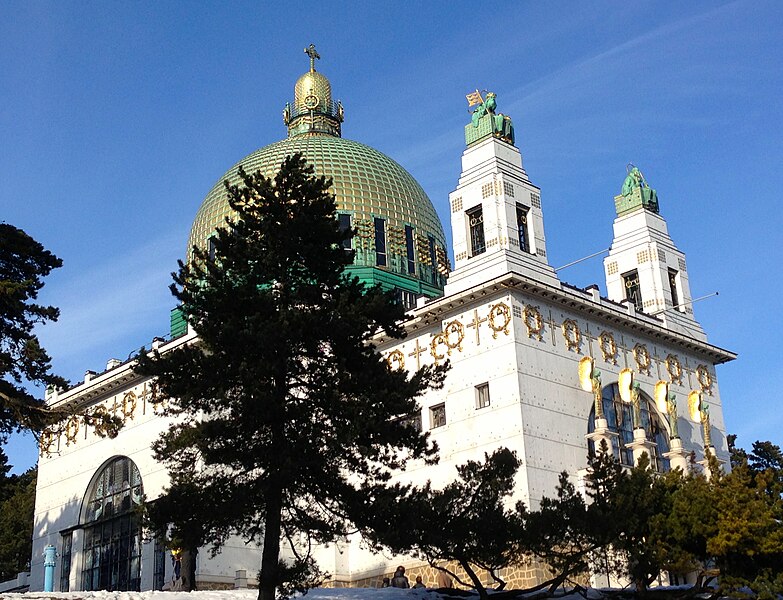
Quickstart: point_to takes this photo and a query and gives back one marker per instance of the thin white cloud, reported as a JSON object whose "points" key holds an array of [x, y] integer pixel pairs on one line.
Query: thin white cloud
{"points": [[121, 301]]}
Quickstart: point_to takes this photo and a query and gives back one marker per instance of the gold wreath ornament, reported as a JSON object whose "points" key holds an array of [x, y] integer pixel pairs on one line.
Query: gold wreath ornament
{"points": [[704, 378], [674, 368], [642, 357], [47, 440], [572, 335], [437, 339], [128, 405], [454, 333], [608, 347], [499, 311], [397, 358], [534, 322], [71, 430]]}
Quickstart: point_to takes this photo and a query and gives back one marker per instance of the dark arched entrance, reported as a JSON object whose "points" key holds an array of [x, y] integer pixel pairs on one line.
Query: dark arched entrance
{"points": [[112, 528]]}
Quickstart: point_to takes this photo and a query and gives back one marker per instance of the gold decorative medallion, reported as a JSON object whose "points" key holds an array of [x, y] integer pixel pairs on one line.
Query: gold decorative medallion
{"points": [[704, 378], [47, 441], [128, 405], [311, 102], [608, 347], [674, 368], [454, 333], [534, 322], [642, 357], [396, 360], [71, 430], [572, 335], [499, 319], [438, 339]]}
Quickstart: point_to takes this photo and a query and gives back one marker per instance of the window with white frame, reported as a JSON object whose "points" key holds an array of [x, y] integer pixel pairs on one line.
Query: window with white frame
{"points": [[482, 395], [437, 416]]}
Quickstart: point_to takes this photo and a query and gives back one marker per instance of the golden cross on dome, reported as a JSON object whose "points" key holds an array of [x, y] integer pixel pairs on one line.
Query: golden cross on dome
{"points": [[311, 52]]}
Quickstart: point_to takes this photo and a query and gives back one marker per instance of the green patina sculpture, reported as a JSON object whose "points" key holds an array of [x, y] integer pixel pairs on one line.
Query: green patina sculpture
{"points": [[500, 124], [636, 403], [671, 411], [636, 185], [705, 421], [598, 394]]}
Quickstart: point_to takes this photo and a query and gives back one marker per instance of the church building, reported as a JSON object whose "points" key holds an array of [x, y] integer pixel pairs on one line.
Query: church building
{"points": [[538, 366]]}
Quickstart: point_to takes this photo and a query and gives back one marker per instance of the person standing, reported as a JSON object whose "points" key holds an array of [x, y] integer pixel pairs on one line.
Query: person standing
{"points": [[399, 580]]}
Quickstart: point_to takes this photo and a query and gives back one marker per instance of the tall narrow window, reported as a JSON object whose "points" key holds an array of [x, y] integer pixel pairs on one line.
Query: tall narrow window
{"points": [[673, 287], [345, 225], [406, 298], [633, 292], [433, 256], [482, 395], [211, 248], [65, 562], [409, 249], [380, 242], [522, 228], [619, 416], [476, 224]]}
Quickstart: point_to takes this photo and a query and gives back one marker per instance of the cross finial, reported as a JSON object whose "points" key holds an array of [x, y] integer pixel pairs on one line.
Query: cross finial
{"points": [[310, 51]]}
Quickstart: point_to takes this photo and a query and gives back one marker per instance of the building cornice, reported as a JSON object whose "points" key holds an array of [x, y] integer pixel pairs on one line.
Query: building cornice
{"points": [[585, 301]]}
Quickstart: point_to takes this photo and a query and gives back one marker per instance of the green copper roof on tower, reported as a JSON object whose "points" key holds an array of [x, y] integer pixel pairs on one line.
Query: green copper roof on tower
{"points": [[485, 122], [636, 193]]}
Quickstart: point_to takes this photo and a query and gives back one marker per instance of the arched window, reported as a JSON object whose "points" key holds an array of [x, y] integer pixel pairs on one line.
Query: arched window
{"points": [[112, 530], [619, 416]]}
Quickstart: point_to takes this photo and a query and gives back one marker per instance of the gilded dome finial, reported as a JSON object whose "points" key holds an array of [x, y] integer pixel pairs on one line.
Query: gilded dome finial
{"points": [[311, 52]]}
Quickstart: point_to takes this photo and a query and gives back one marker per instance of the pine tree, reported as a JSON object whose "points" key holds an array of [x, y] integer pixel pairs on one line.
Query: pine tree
{"points": [[627, 505], [24, 263], [466, 522], [747, 545], [16, 523], [283, 407]]}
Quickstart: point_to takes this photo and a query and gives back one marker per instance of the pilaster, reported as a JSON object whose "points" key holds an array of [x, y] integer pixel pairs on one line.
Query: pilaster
{"points": [[678, 456], [640, 445], [602, 433]]}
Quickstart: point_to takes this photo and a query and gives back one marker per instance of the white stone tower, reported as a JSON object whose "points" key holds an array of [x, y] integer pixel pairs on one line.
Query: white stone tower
{"points": [[644, 267], [496, 218]]}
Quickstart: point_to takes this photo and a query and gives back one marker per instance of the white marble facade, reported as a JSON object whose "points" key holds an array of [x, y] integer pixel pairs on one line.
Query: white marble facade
{"points": [[514, 335]]}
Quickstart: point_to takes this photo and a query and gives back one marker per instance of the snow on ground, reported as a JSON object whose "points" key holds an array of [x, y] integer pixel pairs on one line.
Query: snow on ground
{"points": [[316, 594]]}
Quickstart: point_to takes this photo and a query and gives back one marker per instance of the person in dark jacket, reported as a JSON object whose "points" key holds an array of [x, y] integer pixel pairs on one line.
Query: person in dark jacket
{"points": [[399, 580], [419, 583]]}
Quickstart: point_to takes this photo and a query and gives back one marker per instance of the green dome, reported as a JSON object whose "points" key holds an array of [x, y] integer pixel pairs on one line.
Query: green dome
{"points": [[368, 185]]}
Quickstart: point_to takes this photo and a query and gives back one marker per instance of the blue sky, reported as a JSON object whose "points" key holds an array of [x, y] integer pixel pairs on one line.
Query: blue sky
{"points": [[117, 118]]}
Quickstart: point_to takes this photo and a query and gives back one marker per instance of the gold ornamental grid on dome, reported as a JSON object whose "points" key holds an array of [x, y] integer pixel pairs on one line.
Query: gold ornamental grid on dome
{"points": [[366, 183]]}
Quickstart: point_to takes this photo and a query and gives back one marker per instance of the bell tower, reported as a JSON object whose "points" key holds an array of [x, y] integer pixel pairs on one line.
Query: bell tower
{"points": [[644, 267], [496, 218]]}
